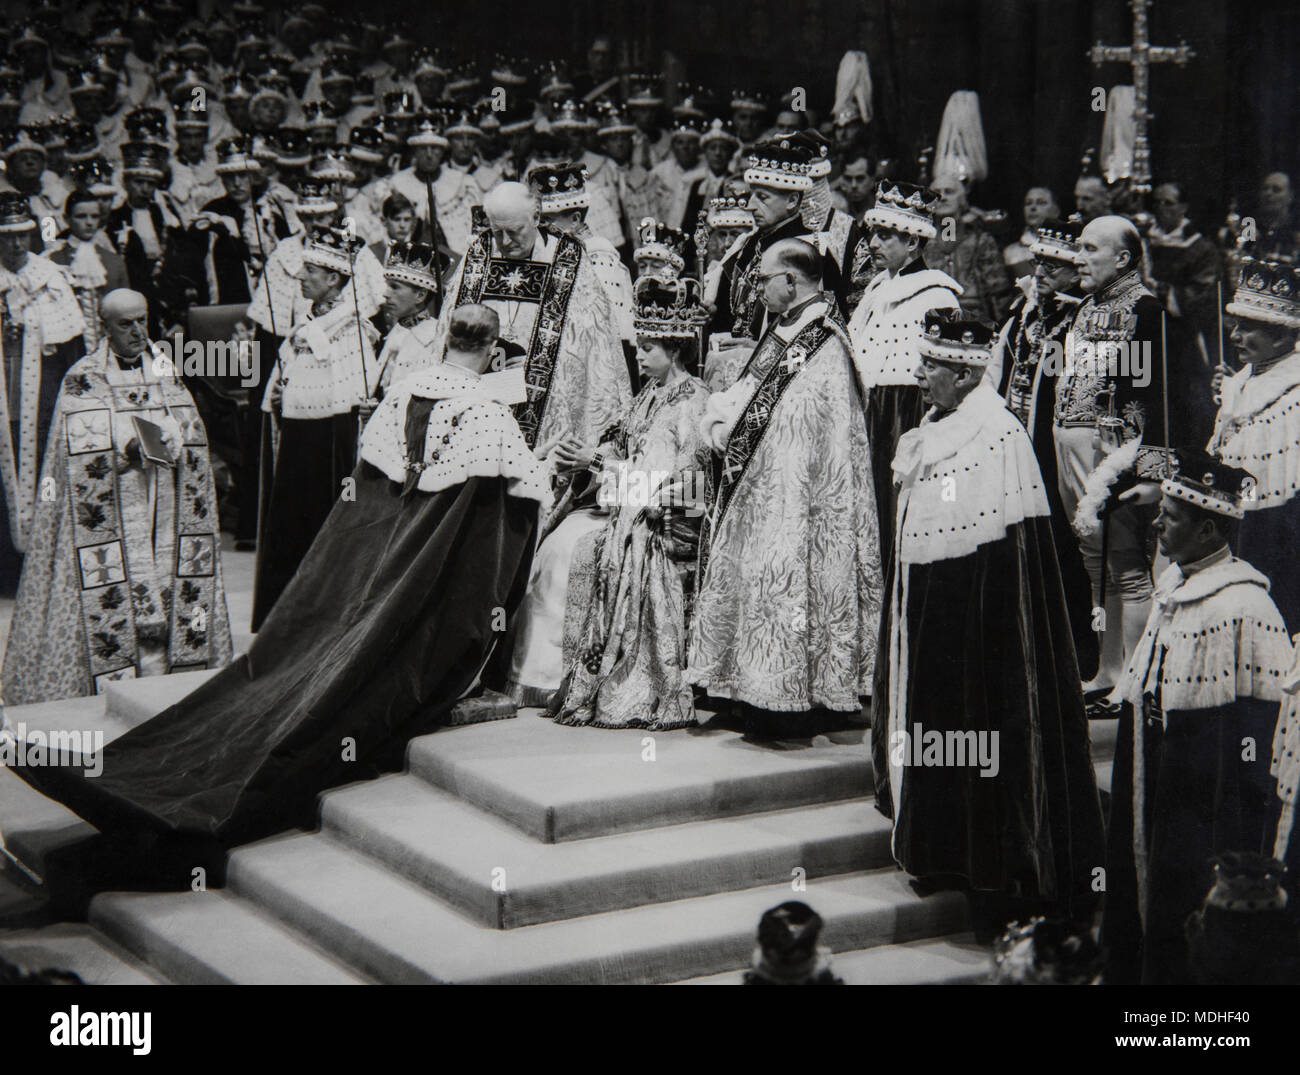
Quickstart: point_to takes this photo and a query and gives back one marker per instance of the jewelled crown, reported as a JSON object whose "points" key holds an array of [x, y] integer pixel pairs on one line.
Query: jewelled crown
{"points": [[719, 130], [428, 133], [313, 199], [956, 339], [332, 248], [643, 89], [146, 125], [509, 72], [560, 187], [413, 263], [686, 126], [147, 160], [83, 147], [429, 62], [366, 143], [658, 240], [235, 154], [668, 309], [748, 101], [729, 212], [185, 115], [553, 80], [22, 141], [94, 175], [819, 152], [292, 148], [572, 115], [462, 123], [781, 163], [693, 102], [903, 207], [263, 149], [1269, 291], [85, 79], [15, 214], [515, 117], [613, 120], [1057, 241], [330, 166], [332, 72], [464, 76], [1206, 481]]}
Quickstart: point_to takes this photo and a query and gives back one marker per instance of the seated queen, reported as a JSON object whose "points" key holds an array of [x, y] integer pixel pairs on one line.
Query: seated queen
{"points": [[630, 580]]}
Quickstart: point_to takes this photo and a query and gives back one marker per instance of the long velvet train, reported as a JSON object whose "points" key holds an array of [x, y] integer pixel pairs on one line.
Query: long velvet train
{"points": [[385, 625]]}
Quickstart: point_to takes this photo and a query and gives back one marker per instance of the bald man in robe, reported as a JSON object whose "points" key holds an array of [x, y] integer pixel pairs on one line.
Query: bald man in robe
{"points": [[122, 576], [552, 304]]}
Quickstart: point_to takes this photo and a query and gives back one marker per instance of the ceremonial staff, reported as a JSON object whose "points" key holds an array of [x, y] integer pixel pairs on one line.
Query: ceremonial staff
{"points": [[433, 242], [1223, 365], [1164, 389], [266, 282], [367, 399]]}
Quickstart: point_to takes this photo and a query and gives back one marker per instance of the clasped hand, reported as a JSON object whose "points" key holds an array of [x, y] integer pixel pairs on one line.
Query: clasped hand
{"points": [[572, 454]]}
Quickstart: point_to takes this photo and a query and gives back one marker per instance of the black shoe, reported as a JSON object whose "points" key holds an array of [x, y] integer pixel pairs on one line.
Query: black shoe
{"points": [[1104, 710]]}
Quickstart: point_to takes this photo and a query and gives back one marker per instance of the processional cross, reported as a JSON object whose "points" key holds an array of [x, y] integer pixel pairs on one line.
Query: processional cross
{"points": [[1141, 55]]}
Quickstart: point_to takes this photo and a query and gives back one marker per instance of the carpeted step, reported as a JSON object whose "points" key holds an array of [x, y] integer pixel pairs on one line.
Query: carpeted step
{"points": [[559, 783], [212, 938], [133, 701], [952, 960], [82, 949], [393, 929], [505, 878], [31, 824]]}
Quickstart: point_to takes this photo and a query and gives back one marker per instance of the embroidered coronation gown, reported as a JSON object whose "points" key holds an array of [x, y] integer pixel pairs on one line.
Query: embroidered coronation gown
{"points": [[628, 593]]}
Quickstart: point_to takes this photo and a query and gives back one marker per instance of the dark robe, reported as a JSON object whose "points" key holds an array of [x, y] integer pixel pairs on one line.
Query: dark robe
{"points": [[1270, 539], [1029, 386], [988, 650], [304, 465], [1201, 799], [383, 629], [155, 278], [1201, 791], [299, 486]]}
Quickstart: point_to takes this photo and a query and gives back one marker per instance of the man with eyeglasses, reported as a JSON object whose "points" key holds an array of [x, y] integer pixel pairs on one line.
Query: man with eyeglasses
{"points": [[788, 597]]}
